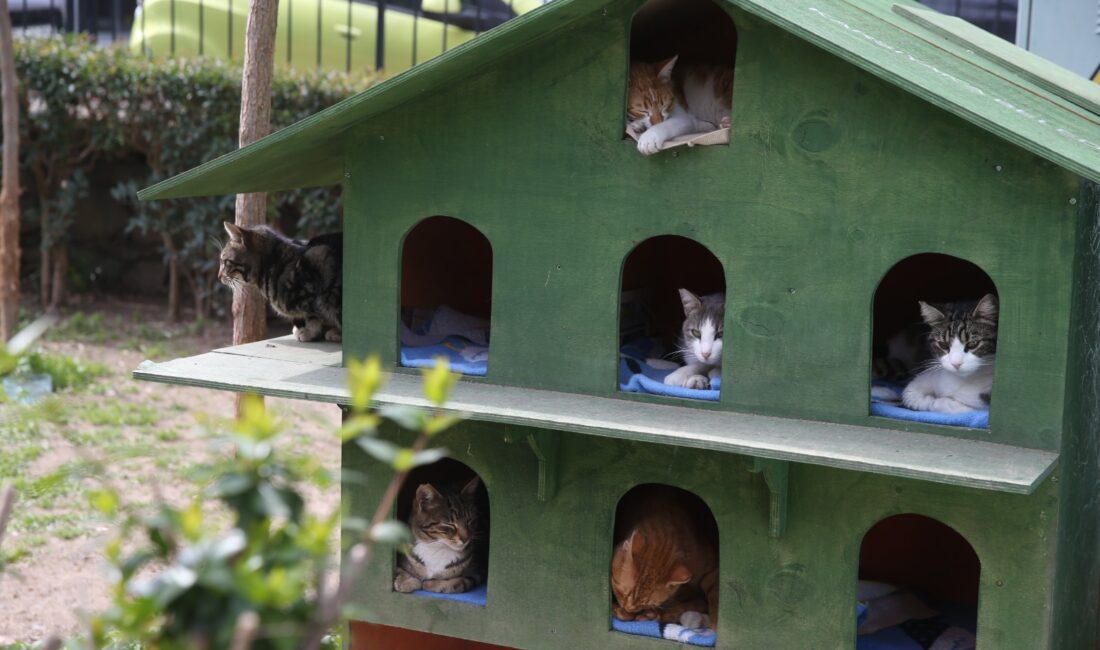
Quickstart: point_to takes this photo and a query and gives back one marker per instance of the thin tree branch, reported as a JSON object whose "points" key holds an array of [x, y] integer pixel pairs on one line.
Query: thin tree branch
{"points": [[7, 502], [244, 633], [331, 602]]}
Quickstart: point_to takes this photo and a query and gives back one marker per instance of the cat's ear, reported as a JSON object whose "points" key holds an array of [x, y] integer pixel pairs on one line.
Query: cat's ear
{"points": [[987, 308], [635, 543], [692, 304], [471, 488], [426, 495], [664, 69], [679, 575], [234, 231], [930, 314]]}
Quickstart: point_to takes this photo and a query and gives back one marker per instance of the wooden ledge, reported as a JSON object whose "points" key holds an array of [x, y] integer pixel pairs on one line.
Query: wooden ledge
{"points": [[312, 371]]}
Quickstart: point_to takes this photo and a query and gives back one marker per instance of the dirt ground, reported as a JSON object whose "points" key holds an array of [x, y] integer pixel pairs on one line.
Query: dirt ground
{"points": [[148, 435]]}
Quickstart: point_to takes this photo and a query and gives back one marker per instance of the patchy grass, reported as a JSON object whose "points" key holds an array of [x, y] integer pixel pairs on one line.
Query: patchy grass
{"points": [[53, 447]]}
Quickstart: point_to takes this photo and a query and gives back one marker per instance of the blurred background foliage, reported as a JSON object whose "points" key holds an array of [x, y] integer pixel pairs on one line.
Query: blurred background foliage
{"points": [[98, 123]]}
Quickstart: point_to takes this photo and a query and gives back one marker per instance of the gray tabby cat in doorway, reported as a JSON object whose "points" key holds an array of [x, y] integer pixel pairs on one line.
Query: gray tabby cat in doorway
{"points": [[963, 342], [444, 525], [700, 340]]}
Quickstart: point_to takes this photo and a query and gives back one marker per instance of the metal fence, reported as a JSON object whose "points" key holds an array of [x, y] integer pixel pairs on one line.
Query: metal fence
{"points": [[335, 34], [106, 20]]}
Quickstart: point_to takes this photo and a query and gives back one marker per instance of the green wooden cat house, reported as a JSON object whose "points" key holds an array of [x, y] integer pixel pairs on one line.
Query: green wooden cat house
{"points": [[879, 154]]}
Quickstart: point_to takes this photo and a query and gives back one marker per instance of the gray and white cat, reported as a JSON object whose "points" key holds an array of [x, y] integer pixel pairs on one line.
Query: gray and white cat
{"points": [[444, 525], [963, 343], [700, 340]]}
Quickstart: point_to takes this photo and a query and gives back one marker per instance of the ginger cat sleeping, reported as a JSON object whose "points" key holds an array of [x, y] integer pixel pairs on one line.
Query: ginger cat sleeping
{"points": [[666, 100], [665, 564]]}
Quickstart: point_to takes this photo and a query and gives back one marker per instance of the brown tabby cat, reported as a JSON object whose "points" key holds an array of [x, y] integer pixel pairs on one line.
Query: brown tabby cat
{"points": [[665, 564], [444, 528]]}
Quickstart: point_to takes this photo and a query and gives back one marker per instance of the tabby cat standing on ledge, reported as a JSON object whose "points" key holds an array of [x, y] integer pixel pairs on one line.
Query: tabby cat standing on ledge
{"points": [[301, 280]]}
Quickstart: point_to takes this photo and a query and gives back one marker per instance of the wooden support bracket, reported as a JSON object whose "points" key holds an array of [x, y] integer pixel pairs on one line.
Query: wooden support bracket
{"points": [[775, 474], [545, 445]]}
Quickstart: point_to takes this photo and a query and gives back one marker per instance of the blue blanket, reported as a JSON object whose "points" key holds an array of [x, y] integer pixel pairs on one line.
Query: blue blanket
{"points": [[637, 376], [475, 596], [954, 629], [460, 338], [671, 631], [464, 356], [973, 419]]}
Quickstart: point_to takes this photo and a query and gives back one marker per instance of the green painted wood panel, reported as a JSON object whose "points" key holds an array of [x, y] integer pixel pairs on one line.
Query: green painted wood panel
{"points": [[548, 583], [1052, 78], [297, 373], [1077, 595], [832, 176]]}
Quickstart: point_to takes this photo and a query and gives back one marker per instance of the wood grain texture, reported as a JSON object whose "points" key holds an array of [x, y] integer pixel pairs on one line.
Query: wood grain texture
{"points": [[9, 187], [914, 455]]}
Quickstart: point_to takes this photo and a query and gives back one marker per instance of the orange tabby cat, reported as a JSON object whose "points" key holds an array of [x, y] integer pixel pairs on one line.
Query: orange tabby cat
{"points": [[665, 564], [666, 100]]}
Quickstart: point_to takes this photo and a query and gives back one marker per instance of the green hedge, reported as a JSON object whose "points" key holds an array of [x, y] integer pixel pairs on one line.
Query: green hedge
{"points": [[84, 105]]}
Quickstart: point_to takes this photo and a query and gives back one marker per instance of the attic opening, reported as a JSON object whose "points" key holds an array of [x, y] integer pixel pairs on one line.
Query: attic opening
{"points": [[671, 319], [664, 565], [918, 585], [446, 507], [934, 342], [680, 80], [446, 296]]}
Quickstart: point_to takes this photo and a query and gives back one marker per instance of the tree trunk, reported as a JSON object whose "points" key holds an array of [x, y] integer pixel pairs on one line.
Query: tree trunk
{"points": [[173, 314], [9, 186], [45, 265], [60, 258], [249, 310]]}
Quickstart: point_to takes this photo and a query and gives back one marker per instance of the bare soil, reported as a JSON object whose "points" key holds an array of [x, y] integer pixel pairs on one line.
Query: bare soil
{"points": [[148, 434]]}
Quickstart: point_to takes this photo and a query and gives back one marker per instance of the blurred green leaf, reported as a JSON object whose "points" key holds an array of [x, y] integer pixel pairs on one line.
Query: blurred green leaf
{"points": [[406, 459], [381, 450], [364, 379], [359, 425], [409, 417], [439, 380], [439, 423], [390, 532], [104, 500]]}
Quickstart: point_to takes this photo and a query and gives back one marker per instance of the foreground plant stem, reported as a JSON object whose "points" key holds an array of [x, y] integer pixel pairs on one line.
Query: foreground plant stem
{"points": [[332, 601]]}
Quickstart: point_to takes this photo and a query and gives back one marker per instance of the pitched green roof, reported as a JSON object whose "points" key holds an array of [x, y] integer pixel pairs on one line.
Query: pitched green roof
{"points": [[951, 64]]}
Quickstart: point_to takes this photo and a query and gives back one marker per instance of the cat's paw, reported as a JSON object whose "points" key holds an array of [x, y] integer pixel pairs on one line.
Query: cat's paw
{"points": [[950, 405], [447, 586], [405, 583], [333, 336], [724, 123], [695, 620], [650, 142], [311, 332], [698, 382]]}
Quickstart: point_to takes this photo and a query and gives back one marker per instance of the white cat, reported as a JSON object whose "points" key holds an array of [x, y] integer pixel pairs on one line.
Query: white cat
{"points": [[964, 346]]}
